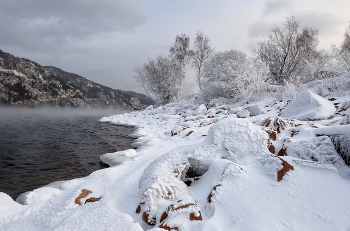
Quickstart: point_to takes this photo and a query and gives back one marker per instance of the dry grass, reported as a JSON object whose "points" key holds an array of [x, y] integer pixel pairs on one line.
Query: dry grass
{"points": [[286, 167], [83, 194]]}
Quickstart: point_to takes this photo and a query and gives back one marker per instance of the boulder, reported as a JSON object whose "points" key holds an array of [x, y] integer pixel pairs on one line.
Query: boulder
{"points": [[309, 106]]}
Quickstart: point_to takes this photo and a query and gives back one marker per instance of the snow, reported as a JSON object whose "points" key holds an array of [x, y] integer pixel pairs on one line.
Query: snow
{"points": [[117, 158], [216, 173], [309, 106]]}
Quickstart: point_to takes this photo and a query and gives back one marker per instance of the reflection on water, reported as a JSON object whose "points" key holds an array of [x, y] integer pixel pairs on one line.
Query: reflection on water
{"points": [[40, 146]]}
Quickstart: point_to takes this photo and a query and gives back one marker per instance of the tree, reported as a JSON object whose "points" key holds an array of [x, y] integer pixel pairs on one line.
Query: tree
{"points": [[201, 53], [231, 74], [345, 49], [161, 78], [288, 50], [180, 50]]}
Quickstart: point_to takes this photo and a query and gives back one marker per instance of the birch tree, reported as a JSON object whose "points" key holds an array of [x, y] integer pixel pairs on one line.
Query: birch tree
{"points": [[201, 53]]}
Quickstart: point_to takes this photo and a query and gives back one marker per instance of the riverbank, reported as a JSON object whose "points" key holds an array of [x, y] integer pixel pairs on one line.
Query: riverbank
{"points": [[215, 167]]}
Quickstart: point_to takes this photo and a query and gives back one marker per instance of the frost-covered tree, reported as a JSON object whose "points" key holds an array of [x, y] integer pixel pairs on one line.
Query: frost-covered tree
{"points": [[345, 49], [161, 78], [288, 51], [201, 53], [180, 50], [231, 74]]}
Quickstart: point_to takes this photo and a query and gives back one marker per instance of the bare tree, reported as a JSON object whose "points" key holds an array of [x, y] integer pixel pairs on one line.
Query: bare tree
{"points": [[161, 78], [287, 50], [180, 50], [201, 53]]}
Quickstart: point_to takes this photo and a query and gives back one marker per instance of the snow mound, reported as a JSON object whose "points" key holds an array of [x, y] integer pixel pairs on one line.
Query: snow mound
{"points": [[309, 106], [238, 139], [165, 180], [38, 195], [8, 208], [116, 158], [101, 219]]}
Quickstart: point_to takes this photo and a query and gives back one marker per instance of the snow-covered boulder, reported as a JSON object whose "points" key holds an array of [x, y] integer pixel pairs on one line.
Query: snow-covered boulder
{"points": [[255, 110], [238, 139], [243, 114], [309, 106], [202, 110], [319, 149]]}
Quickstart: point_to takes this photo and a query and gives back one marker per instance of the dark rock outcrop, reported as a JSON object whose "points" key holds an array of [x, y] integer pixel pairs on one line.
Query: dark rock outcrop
{"points": [[28, 84]]}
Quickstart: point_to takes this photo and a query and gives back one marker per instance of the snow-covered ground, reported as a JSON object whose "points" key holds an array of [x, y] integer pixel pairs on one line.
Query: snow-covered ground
{"points": [[268, 165]]}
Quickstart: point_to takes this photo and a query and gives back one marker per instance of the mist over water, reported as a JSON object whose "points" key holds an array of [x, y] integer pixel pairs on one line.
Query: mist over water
{"points": [[39, 146]]}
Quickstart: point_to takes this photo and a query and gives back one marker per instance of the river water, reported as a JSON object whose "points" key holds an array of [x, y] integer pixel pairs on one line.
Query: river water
{"points": [[39, 146]]}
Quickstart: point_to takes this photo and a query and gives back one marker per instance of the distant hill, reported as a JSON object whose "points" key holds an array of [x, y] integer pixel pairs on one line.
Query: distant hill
{"points": [[28, 84]]}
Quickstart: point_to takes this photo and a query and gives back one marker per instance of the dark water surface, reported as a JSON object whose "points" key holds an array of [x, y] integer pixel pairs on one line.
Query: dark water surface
{"points": [[40, 146]]}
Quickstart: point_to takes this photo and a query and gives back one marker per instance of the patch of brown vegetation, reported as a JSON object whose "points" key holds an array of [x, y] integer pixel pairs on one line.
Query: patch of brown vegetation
{"points": [[145, 218], [266, 123], [320, 135], [163, 217], [282, 152], [272, 134], [294, 132], [272, 148], [285, 168], [204, 135], [211, 193], [189, 133], [162, 226], [211, 116], [281, 124], [92, 199], [83, 194], [332, 99], [138, 209], [183, 206], [194, 218]]}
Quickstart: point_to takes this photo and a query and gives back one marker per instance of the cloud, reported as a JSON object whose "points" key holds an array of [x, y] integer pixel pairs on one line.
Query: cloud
{"points": [[43, 25], [259, 29], [326, 23], [277, 6]]}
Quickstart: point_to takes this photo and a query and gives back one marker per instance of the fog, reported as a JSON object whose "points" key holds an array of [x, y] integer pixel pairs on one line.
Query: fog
{"points": [[57, 112]]}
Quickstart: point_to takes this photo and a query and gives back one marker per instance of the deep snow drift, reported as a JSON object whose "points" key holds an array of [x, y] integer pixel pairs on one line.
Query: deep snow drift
{"points": [[228, 167]]}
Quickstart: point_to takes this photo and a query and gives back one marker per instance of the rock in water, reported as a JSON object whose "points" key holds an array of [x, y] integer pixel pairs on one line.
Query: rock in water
{"points": [[309, 106]]}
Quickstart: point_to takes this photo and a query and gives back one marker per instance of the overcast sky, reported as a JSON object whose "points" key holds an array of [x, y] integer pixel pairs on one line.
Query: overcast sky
{"points": [[103, 40]]}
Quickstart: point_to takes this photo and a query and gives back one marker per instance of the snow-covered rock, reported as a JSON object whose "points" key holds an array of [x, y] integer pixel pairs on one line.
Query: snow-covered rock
{"points": [[243, 114], [255, 110], [202, 110], [309, 106]]}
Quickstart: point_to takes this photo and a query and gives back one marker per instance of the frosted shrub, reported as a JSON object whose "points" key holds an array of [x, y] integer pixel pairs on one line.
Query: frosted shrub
{"points": [[232, 75]]}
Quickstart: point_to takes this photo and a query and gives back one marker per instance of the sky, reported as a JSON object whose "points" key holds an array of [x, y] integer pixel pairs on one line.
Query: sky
{"points": [[105, 40]]}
